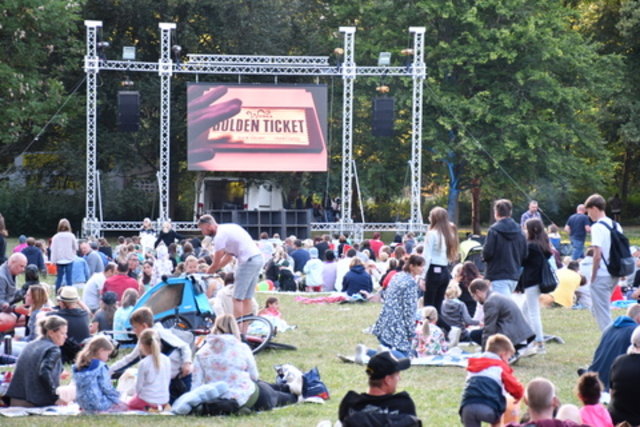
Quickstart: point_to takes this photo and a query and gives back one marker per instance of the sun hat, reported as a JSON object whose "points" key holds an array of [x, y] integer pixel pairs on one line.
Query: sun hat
{"points": [[68, 294]]}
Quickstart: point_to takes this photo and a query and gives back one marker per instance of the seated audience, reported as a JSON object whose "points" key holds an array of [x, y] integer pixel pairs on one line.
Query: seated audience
{"points": [[39, 367], [380, 405], [625, 377]]}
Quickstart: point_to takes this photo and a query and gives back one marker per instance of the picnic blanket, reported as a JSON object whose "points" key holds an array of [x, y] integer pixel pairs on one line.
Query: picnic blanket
{"points": [[71, 409], [455, 359]]}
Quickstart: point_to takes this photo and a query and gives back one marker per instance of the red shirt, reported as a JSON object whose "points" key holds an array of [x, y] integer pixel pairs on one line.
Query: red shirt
{"points": [[375, 246], [119, 283]]}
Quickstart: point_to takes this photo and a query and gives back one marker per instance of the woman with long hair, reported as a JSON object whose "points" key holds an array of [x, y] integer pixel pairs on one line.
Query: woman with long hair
{"points": [[468, 274], [441, 248], [539, 253], [396, 325]]}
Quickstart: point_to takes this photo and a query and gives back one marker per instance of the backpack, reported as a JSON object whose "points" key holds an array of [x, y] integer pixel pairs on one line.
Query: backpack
{"points": [[621, 263]]}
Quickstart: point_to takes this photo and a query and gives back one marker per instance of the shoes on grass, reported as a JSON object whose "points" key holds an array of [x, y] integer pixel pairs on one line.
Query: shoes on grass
{"points": [[361, 354]]}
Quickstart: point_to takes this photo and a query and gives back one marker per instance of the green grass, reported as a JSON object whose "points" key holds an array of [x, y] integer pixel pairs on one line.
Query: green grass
{"points": [[326, 330]]}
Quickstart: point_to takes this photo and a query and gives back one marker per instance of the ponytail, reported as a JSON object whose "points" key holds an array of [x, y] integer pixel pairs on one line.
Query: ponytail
{"points": [[429, 314], [149, 339]]}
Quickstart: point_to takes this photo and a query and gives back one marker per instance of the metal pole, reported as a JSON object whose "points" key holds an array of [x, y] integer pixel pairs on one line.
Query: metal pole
{"points": [[165, 69], [91, 227], [348, 77], [418, 73]]}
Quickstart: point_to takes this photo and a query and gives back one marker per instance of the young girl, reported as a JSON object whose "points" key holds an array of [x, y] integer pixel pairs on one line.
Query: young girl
{"points": [[271, 308], [93, 382], [272, 313], [128, 301], [455, 312], [154, 374], [588, 391], [430, 340]]}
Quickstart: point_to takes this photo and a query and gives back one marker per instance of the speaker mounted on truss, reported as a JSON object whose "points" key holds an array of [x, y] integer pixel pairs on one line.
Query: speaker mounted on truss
{"points": [[383, 116], [128, 111]]}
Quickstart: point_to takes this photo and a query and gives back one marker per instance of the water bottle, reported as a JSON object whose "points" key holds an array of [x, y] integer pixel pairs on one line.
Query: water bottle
{"points": [[7, 345]]}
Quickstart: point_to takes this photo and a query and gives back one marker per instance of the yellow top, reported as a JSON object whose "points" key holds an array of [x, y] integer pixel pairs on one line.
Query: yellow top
{"points": [[569, 281]]}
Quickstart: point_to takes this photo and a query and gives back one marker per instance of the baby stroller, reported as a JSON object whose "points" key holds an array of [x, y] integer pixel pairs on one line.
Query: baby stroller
{"points": [[181, 303], [471, 250]]}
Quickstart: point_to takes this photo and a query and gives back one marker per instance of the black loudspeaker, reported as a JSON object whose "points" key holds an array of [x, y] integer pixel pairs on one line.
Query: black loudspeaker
{"points": [[128, 111], [383, 114]]}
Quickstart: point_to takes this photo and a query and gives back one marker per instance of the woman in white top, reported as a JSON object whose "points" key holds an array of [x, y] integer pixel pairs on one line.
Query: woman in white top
{"points": [[441, 247], [63, 251]]}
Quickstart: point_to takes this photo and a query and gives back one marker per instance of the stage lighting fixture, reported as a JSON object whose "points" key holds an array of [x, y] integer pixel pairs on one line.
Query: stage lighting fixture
{"points": [[129, 53], [384, 59]]}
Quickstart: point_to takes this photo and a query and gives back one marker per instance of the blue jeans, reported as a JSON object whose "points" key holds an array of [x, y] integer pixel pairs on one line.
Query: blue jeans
{"points": [[65, 270], [578, 248], [397, 353], [504, 287]]}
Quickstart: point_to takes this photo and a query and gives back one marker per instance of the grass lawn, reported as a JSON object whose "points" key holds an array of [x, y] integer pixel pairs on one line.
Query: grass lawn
{"points": [[326, 330]]}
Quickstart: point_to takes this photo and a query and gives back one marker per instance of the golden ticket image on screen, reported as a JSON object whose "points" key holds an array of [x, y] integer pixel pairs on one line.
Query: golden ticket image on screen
{"points": [[264, 126], [270, 120]]}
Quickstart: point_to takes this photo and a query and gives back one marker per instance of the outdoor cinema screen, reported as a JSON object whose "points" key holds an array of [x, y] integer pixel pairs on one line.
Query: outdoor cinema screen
{"points": [[252, 128]]}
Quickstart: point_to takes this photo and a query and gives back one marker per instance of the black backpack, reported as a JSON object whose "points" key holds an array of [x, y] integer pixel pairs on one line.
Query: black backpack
{"points": [[621, 263]]}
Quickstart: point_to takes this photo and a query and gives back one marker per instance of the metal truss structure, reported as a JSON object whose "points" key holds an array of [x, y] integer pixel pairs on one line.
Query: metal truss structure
{"points": [[318, 66]]}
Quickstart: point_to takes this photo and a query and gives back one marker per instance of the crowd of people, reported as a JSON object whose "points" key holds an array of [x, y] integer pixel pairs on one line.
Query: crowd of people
{"points": [[430, 301]]}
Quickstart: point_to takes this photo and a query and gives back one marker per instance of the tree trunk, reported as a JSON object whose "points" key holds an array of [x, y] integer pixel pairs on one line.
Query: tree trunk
{"points": [[452, 205], [475, 205]]}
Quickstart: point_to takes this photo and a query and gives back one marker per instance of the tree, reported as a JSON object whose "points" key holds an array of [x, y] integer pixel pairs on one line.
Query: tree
{"points": [[516, 86], [38, 47]]}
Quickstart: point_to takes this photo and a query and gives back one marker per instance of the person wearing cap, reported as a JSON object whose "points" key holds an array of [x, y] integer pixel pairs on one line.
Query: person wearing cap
{"points": [[381, 399], [71, 309], [22, 243], [103, 319], [313, 272]]}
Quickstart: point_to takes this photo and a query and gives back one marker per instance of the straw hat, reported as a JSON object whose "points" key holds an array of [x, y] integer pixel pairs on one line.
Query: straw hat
{"points": [[68, 294]]}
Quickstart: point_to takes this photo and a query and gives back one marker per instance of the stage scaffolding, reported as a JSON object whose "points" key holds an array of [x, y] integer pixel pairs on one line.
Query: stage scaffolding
{"points": [[94, 225]]}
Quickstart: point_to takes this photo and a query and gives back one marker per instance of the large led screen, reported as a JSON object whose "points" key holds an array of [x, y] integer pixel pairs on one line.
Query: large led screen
{"points": [[256, 128]]}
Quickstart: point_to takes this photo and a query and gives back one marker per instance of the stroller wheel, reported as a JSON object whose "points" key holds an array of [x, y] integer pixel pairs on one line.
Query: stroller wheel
{"points": [[177, 322]]}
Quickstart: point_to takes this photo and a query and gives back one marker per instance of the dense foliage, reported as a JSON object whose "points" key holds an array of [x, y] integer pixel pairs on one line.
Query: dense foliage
{"points": [[523, 99]]}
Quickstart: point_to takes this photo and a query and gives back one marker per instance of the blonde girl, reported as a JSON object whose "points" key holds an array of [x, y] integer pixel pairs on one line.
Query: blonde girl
{"points": [[94, 391], [430, 340], [154, 374], [441, 248]]}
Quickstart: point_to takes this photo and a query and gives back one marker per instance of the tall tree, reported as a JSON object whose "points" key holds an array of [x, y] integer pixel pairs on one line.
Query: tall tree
{"points": [[512, 81], [38, 50]]}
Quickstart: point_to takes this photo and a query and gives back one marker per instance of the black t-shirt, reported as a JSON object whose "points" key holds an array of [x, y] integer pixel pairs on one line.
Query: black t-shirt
{"points": [[399, 403]]}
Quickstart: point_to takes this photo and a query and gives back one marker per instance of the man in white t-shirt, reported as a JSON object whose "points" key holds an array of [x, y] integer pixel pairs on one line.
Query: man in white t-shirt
{"points": [[602, 284], [231, 240]]}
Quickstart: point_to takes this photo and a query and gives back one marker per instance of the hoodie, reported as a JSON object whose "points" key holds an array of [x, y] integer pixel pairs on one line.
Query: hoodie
{"points": [[504, 250], [614, 342], [356, 280]]}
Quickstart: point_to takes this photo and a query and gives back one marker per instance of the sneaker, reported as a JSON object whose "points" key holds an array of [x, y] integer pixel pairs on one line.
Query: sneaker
{"points": [[528, 351], [581, 371], [454, 336], [361, 354], [514, 359]]}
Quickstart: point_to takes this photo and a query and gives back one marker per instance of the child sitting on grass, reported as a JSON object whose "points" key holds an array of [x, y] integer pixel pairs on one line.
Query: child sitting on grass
{"points": [[429, 340], [455, 312], [154, 375], [488, 376], [179, 352], [588, 390], [94, 391]]}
